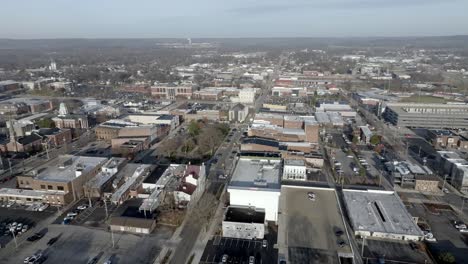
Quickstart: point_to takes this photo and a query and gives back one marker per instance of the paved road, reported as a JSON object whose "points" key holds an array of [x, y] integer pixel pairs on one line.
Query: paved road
{"points": [[51, 153], [202, 212]]}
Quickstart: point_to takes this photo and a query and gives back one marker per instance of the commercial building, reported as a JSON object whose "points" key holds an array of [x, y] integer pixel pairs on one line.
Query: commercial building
{"points": [[427, 184], [312, 231], [154, 119], [244, 222], [63, 178], [110, 129], [171, 91], [256, 183], [439, 116], [345, 110], [455, 167], [380, 214], [294, 169], [446, 139], [102, 182], [9, 85], [132, 225], [246, 96], [365, 134]]}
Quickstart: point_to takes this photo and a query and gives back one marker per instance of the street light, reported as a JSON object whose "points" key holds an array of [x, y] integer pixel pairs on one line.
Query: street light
{"points": [[12, 230]]}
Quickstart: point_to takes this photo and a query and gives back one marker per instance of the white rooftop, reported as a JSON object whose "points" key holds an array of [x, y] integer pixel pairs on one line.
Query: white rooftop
{"points": [[379, 211], [256, 173]]}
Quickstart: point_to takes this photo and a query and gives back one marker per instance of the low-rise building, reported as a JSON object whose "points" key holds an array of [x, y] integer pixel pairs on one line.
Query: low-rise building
{"points": [[256, 183], [455, 168], [294, 169], [244, 222], [380, 214], [63, 178], [172, 91]]}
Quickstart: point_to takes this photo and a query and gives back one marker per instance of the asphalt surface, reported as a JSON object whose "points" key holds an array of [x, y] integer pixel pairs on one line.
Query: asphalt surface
{"points": [[78, 245]]}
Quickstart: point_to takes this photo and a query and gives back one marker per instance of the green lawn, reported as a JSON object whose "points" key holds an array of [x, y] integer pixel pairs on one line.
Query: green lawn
{"points": [[423, 99]]}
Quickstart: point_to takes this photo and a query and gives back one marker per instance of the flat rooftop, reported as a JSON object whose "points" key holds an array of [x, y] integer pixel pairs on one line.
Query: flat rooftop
{"points": [[64, 168], [244, 215], [379, 211], [256, 172], [307, 228], [294, 162]]}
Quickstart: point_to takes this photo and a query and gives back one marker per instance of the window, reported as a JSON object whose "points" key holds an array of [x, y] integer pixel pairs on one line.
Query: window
{"points": [[21, 182], [42, 186], [50, 187], [28, 199], [60, 188]]}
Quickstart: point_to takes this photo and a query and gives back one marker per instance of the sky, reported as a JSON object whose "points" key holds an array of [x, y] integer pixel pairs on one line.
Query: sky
{"points": [[30, 19]]}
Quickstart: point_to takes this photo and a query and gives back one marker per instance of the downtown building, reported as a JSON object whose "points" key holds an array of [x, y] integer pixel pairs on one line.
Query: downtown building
{"points": [[453, 116]]}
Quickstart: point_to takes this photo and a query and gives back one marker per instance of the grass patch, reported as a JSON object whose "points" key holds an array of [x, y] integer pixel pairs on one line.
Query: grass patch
{"points": [[424, 99]]}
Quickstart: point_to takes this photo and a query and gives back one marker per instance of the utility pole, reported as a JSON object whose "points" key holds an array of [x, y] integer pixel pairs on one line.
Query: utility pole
{"points": [[112, 237], [443, 184], [105, 207], [12, 230], [363, 243]]}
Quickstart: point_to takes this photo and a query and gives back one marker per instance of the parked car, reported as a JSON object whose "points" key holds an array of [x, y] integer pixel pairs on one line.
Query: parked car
{"points": [[52, 241], [264, 243], [224, 258], [459, 225], [72, 214], [311, 196], [82, 207], [35, 237], [251, 260], [93, 260]]}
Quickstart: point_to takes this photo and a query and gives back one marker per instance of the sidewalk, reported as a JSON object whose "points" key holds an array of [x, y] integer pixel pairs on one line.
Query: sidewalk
{"points": [[204, 236]]}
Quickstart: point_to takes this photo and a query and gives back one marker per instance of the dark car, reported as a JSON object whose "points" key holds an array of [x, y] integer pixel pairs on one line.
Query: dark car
{"points": [[339, 232], [52, 241], [93, 260], [35, 237]]}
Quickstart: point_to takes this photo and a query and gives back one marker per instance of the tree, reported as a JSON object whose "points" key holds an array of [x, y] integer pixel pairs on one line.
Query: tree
{"points": [[194, 128], [375, 139], [210, 139], [45, 123], [446, 258]]}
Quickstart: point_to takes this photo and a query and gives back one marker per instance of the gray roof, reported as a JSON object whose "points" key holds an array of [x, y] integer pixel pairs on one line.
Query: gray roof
{"points": [[379, 211], [256, 172], [63, 168]]}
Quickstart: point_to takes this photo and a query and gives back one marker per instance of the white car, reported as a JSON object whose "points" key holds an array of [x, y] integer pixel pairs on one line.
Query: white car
{"points": [[224, 259], [251, 260], [311, 196], [82, 207], [72, 214], [463, 230]]}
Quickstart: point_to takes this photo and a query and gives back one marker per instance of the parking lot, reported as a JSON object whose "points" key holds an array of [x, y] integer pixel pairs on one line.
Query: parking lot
{"points": [[447, 236], [77, 244], [94, 216], [394, 252], [18, 214], [239, 250]]}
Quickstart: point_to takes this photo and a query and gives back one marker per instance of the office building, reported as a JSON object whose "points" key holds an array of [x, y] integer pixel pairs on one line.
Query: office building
{"points": [[439, 116]]}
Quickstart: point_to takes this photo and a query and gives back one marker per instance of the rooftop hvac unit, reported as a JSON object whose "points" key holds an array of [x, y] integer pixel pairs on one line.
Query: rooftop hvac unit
{"points": [[260, 182]]}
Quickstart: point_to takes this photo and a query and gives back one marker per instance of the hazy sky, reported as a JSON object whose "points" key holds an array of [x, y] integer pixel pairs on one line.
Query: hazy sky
{"points": [[231, 18]]}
